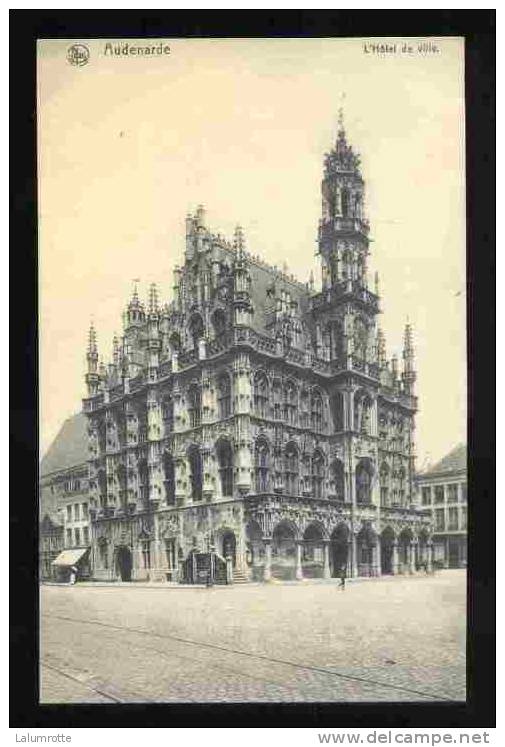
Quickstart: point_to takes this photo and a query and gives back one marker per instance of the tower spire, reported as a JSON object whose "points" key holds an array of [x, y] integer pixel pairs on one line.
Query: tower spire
{"points": [[409, 373]]}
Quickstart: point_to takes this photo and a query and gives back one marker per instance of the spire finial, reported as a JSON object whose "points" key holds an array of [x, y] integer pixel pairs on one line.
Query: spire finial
{"points": [[341, 128], [135, 294], [92, 348]]}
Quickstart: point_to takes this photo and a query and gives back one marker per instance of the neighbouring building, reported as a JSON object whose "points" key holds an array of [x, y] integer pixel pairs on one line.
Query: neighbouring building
{"points": [[257, 416], [443, 490], [64, 502]]}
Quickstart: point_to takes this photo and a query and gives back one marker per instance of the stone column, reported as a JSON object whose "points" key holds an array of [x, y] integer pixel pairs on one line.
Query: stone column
{"points": [[412, 556], [394, 567], [326, 559], [429, 559], [352, 560], [299, 571], [376, 558], [267, 571]]}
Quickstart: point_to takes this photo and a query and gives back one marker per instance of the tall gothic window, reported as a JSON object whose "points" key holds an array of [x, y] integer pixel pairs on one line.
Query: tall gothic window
{"points": [[290, 403], [196, 330], [143, 473], [304, 409], [316, 407], [291, 469], [225, 462], [219, 323], [345, 202], [364, 472], [146, 553], [194, 406], [337, 409], [223, 396], [167, 412], [260, 394], [276, 396], [317, 474], [337, 480], [195, 469], [261, 462], [169, 478]]}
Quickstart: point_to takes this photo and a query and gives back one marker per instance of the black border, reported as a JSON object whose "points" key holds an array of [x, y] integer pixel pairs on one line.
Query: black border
{"points": [[478, 28]]}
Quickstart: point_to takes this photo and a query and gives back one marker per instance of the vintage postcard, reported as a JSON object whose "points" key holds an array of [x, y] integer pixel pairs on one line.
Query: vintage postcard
{"points": [[253, 483]]}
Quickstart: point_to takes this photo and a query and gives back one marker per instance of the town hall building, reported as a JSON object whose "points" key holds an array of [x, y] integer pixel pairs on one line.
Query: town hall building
{"points": [[256, 420]]}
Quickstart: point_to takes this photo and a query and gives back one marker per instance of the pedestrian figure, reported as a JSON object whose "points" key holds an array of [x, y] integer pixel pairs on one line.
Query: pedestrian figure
{"points": [[73, 574], [342, 578]]}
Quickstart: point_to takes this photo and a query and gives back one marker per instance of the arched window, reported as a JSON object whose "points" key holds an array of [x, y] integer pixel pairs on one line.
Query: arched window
{"points": [[337, 480], [290, 402], [364, 473], [195, 469], [401, 486], [317, 474], [277, 396], [384, 484], [345, 202], [223, 396], [169, 478], [225, 466], [175, 342], [196, 330], [121, 478], [219, 323], [260, 394], [291, 469], [167, 413], [194, 405], [316, 410], [261, 463], [362, 412]]}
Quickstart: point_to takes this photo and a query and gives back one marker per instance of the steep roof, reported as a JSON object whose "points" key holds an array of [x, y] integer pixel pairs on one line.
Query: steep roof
{"points": [[454, 461], [69, 448]]}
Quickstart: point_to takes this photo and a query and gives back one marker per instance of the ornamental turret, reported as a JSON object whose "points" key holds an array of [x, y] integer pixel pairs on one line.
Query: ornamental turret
{"points": [[343, 229], [241, 280]]}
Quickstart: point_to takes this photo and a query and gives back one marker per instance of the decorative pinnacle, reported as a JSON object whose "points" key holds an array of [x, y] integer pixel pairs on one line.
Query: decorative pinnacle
{"points": [[381, 347], [115, 349], [92, 347], [341, 128], [153, 299], [135, 294], [408, 344], [238, 240]]}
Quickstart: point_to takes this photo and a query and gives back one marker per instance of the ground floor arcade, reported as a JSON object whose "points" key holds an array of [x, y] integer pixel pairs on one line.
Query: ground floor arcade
{"points": [[260, 542]]}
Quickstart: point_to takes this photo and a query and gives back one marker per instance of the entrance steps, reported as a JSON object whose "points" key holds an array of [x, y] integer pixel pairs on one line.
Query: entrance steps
{"points": [[240, 577]]}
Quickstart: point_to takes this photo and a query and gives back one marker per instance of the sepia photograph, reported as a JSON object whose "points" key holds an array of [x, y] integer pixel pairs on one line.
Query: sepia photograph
{"points": [[252, 370]]}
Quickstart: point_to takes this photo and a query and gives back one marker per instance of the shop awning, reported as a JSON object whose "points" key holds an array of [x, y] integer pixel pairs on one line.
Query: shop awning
{"points": [[70, 557]]}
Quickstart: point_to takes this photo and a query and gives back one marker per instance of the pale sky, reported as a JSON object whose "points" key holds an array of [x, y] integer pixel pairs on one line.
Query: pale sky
{"points": [[127, 145]]}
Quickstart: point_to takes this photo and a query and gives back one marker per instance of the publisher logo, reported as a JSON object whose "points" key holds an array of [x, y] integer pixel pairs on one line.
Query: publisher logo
{"points": [[78, 54]]}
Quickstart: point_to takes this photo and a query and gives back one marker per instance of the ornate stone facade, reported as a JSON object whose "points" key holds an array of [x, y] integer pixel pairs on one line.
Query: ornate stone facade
{"points": [[257, 416]]}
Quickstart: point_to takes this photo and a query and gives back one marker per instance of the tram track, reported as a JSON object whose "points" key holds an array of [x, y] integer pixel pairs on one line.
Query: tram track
{"points": [[81, 682], [249, 655]]}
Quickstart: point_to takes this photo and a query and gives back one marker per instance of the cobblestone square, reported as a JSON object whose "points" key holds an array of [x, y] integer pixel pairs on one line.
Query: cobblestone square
{"points": [[388, 639]]}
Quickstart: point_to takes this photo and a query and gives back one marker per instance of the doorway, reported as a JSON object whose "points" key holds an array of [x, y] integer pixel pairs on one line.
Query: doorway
{"points": [[124, 563]]}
